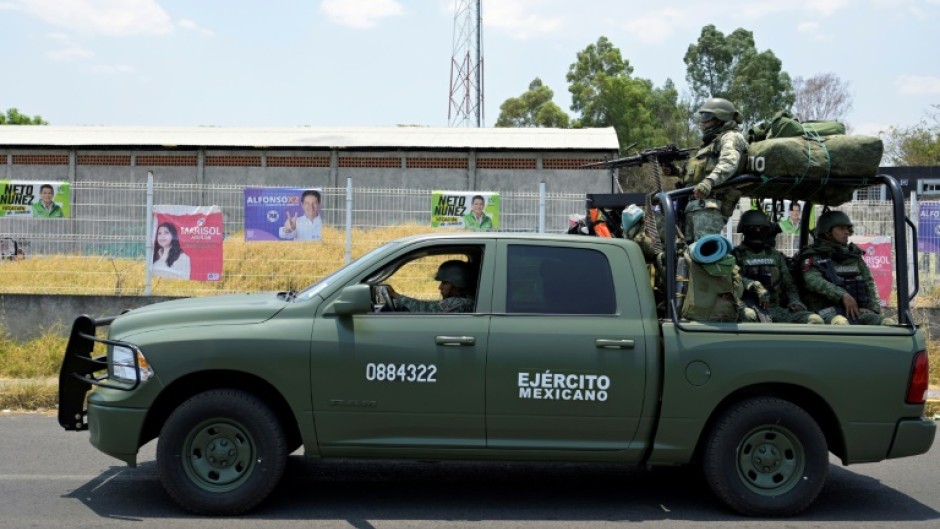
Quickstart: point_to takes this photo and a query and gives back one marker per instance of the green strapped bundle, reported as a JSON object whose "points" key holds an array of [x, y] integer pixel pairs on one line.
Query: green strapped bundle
{"points": [[817, 158]]}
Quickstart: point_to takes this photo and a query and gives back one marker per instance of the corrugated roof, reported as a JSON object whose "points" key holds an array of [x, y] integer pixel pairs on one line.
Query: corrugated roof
{"points": [[307, 137]]}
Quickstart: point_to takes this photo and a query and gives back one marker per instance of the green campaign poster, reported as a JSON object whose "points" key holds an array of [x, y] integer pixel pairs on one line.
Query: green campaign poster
{"points": [[36, 199], [471, 210]]}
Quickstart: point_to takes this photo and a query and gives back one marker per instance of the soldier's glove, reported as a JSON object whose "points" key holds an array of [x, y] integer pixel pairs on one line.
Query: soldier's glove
{"points": [[763, 295], [704, 188], [796, 306]]}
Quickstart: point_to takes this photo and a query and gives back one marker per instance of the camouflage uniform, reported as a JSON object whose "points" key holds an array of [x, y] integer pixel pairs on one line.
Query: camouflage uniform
{"points": [[825, 259], [766, 277], [451, 304], [717, 161]]}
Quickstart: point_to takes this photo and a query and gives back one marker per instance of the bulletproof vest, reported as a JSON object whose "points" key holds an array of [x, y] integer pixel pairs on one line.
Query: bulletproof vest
{"points": [[760, 267], [705, 160], [844, 272]]}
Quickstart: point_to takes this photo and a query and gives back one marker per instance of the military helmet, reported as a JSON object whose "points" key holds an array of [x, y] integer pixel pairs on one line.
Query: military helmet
{"points": [[455, 272], [753, 219], [720, 109], [831, 219]]}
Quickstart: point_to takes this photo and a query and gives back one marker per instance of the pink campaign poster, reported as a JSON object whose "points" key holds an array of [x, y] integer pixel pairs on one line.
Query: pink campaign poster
{"points": [[187, 243], [878, 258]]}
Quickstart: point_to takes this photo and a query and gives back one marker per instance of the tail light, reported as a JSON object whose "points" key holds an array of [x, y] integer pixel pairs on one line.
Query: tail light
{"points": [[917, 387]]}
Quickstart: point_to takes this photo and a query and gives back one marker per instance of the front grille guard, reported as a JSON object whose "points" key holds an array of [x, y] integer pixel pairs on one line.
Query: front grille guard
{"points": [[77, 374]]}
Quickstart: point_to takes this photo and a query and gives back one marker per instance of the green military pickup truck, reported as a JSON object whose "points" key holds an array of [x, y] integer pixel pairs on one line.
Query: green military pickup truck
{"points": [[561, 357]]}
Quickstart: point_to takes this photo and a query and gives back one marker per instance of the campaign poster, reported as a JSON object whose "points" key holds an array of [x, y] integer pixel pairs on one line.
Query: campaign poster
{"points": [[928, 230], [283, 214], [35, 198], [470, 210], [187, 243], [878, 258]]}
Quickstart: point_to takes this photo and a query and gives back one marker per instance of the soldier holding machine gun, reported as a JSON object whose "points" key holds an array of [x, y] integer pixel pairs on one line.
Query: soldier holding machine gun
{"points": [[722, 155]]}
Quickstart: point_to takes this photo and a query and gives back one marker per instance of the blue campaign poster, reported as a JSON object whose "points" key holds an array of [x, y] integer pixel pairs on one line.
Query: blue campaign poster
{"points": [[928, 230]]}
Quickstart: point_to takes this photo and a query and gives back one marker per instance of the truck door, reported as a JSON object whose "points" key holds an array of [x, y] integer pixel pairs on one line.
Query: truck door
{"points": [[405, 379], [567, 351]]}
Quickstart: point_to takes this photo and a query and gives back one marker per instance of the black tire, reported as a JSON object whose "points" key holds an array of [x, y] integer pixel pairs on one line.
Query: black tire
{"points": [[221, 452], [766, 457]]}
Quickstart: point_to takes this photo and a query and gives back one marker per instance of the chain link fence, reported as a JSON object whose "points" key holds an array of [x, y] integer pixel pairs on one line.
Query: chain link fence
{"points": [[101, 247]]}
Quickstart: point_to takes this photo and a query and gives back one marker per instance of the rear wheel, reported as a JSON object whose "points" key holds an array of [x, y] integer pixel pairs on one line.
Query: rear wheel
{"points": [[221, 452], [766, 457]]}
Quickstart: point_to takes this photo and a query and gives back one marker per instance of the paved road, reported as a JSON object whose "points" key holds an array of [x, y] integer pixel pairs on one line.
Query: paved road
{"points": [[50, 478]]}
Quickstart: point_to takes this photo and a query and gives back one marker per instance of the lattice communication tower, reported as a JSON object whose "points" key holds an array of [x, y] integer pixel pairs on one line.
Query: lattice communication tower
{"points": [[466, 66]]}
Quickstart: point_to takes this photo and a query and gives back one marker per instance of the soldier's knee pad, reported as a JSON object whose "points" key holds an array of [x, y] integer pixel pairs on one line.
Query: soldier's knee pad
{"points": [[839, 319], [815, 319], [889, 321]]}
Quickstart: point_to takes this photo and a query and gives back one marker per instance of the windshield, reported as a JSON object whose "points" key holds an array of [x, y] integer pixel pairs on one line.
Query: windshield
{"points": [[341, 275]]}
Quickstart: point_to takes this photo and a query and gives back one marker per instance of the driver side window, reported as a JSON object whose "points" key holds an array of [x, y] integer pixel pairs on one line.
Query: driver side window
{"points": [[430, 282]]}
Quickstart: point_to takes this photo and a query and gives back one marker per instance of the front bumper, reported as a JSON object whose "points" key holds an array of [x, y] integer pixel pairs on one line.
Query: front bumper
{"points": [[116, 431], [912, 437]]}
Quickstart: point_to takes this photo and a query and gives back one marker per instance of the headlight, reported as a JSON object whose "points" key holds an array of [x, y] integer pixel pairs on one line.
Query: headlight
{"points": [[122, 364]]}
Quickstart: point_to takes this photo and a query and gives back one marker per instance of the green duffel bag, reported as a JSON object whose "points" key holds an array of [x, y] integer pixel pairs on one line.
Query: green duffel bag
{"points": [[783, 125], [823, 128], [817, 158]]}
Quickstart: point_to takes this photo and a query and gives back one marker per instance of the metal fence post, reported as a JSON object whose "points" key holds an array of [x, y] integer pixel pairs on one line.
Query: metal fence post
{"points": [[541, 207], [349, 206], [148, 225]]}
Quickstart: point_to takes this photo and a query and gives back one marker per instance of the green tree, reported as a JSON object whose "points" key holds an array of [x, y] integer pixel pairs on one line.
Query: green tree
{"points": [[916, 145], [732, 68], [604, 94], [534, 108], [13, 117]]}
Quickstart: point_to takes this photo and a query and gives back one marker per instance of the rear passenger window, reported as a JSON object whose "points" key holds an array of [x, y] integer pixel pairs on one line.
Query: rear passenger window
{"points": [[546, 280]]}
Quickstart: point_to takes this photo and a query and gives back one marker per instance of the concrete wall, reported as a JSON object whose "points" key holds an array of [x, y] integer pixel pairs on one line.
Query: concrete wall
{"points": [[27, 316]]}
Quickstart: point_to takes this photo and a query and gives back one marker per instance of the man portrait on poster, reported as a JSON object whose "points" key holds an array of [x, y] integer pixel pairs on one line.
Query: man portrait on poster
{"points": [[477, 219], [45, 207], [304, 227]]}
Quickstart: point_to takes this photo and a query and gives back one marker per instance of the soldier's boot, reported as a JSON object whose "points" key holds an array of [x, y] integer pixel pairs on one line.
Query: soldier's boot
{"points": [[889, 321], [815, 319], [839, 319]]}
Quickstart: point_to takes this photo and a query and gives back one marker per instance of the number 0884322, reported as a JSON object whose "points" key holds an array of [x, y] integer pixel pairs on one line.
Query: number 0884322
{"points": [[421, 373]]}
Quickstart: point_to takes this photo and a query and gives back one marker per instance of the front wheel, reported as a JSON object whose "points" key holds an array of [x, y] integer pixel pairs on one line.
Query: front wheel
{"points": [[221, 452], [766, 457]]}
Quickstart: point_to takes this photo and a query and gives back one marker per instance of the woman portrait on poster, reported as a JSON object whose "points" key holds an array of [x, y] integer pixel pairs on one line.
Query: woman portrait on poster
{"points": [[168, 258]]}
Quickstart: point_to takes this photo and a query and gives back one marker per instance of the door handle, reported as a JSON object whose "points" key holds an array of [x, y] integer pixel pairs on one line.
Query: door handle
{"points": [[613, 344], [454, 340]]}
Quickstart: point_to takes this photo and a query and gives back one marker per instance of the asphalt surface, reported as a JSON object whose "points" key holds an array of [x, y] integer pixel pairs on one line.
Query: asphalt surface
{"points": [[50, 478]]}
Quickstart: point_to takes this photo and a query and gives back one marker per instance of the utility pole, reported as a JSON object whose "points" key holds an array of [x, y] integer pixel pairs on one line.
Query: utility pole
{"points": [[466, 66]]}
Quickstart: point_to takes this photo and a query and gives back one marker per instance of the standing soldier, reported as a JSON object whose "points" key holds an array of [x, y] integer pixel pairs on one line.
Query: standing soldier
{"points": [[839, 285], [766, 277], [722, 155]]}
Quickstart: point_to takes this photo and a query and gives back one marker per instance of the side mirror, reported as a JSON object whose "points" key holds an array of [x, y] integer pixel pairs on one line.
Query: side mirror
{"points": [[355, 299]]}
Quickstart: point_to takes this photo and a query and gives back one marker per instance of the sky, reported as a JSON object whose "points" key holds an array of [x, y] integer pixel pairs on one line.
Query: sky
{"points": [[336, 63]]}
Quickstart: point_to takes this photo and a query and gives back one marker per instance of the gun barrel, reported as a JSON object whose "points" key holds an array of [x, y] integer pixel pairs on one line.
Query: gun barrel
{"points": [[661, 154]]}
